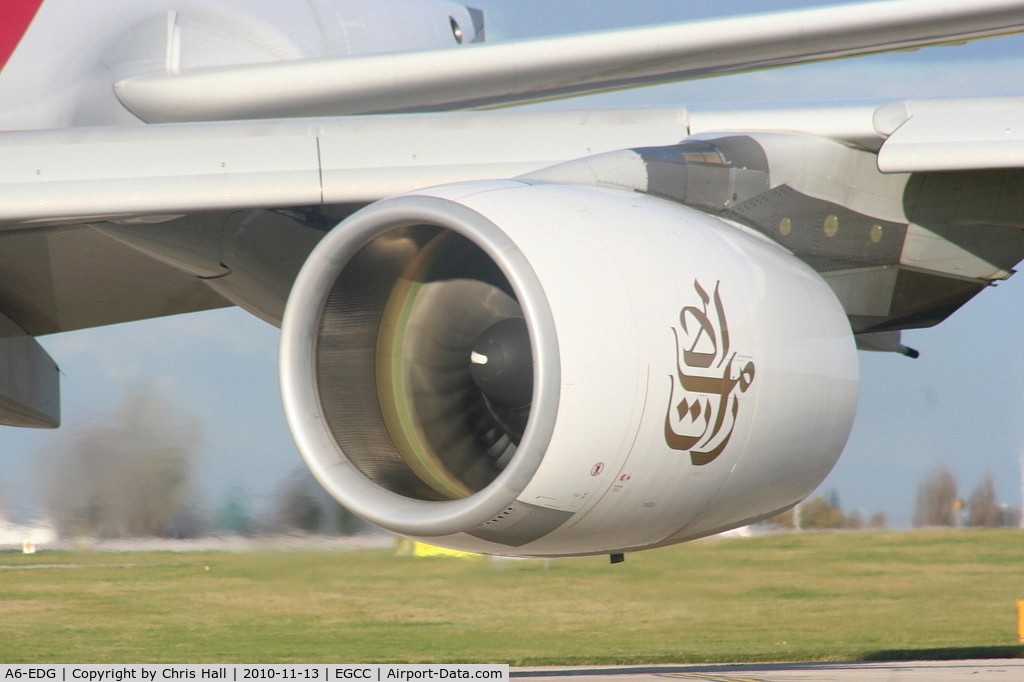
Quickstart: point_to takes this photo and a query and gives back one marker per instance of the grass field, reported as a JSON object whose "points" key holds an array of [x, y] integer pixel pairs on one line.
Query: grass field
{"points": [[827, 596]]}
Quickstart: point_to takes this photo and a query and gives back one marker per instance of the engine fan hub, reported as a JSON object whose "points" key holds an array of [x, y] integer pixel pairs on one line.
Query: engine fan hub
{"points": [[501, 363]]}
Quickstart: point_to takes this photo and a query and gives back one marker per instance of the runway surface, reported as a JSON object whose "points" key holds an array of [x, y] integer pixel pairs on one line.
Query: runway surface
{"points": [[913, 671]]}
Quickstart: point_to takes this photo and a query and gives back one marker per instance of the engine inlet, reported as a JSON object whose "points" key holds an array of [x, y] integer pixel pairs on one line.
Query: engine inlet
{"points": [[395, 364]]}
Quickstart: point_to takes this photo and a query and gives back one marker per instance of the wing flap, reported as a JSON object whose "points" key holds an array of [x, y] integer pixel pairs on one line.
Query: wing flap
{"points": [[482, 76], [59, 280]]}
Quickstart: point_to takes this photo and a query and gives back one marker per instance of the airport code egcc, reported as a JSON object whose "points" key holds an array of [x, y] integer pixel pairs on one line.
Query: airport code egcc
{"points": [[241, 673]]}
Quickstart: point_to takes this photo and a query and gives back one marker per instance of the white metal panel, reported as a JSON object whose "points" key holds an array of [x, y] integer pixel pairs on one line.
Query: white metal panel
{"points": [[952, 135], [56, 176], [385, 156], [931, 252], [180, 168]]}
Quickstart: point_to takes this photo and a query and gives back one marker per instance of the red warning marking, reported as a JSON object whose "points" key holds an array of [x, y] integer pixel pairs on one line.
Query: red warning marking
{"points": [[15, 16], [597, 469]]}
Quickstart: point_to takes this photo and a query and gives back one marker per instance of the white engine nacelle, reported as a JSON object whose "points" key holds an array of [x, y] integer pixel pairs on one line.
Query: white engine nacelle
{"points": [[540, 370]]}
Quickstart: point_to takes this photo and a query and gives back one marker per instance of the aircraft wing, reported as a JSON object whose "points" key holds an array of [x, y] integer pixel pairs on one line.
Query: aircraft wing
{"points": [[487, 76], [141, 174], [72, 203], [87, 175]]}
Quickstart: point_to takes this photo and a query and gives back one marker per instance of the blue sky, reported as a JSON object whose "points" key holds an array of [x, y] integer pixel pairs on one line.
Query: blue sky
{"points": [[960, 404]]}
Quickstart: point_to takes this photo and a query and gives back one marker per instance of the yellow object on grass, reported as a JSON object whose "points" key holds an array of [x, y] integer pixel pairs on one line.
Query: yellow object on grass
{"points": [[408, 547]]}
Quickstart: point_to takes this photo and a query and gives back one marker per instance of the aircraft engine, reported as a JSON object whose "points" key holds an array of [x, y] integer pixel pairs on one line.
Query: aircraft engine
{"points": [[542, 370]]}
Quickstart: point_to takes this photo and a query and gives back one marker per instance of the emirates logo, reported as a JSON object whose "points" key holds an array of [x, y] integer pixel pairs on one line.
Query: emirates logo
{"points": [[709, 379]]}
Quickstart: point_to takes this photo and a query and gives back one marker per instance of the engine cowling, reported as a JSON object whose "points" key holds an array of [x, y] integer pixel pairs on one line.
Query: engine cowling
{"points": [[540, 370]]}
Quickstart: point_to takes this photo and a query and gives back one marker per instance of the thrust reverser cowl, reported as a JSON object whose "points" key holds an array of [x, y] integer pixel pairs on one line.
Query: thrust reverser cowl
{"points": [[689, 376]]}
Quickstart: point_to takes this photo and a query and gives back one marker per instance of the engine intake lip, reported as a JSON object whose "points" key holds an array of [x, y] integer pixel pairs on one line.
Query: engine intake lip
{"points": [[299, 383]]}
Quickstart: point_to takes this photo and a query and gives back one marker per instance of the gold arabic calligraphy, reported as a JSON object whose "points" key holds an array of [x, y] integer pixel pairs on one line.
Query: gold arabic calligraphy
{"points": [[705, 392]]}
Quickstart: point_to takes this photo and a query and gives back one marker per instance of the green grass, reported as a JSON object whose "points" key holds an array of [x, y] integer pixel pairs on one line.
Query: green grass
{"points": [[828, 596]]}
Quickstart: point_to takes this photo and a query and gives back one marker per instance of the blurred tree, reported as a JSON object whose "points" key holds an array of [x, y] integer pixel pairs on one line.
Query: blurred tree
{"points": [[818, 513], [822, 512], [191, 520], [304, 505], [234, 516], [126, 474], [878, 521], [937, 503], [786, 519], [982, 507], [298, 508]]}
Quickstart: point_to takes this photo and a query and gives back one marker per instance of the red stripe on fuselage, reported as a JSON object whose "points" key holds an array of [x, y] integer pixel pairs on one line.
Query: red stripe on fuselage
{"points": [[15, 16]]}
